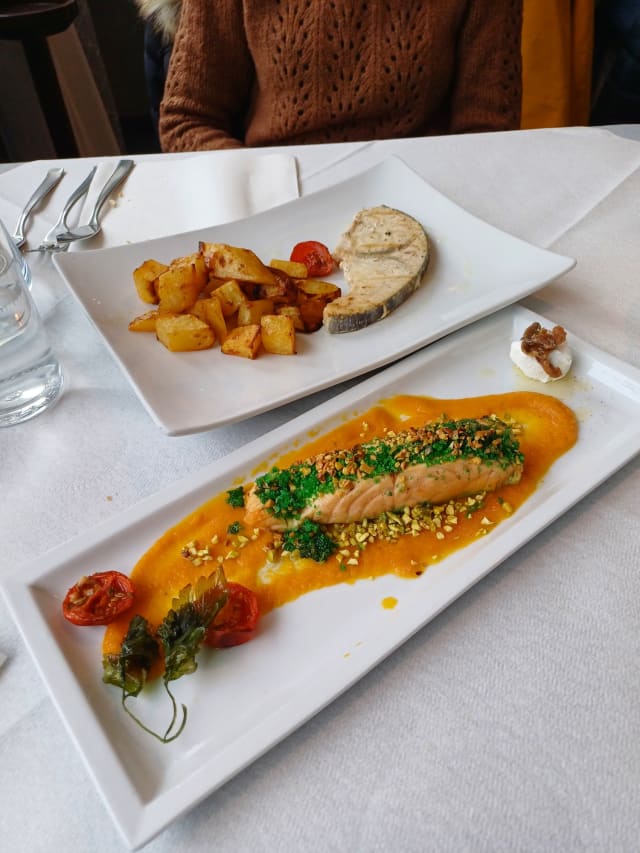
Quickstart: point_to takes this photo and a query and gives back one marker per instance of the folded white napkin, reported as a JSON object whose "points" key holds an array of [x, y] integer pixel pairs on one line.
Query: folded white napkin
{"points": [[159, 198]]}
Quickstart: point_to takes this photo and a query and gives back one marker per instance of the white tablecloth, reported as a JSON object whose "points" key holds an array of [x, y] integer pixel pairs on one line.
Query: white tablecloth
{"points": [[509, 723]]}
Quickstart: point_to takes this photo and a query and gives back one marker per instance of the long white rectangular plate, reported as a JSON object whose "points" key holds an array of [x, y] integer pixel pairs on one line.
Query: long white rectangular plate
{"points": [[244, 701], [475, 270]]}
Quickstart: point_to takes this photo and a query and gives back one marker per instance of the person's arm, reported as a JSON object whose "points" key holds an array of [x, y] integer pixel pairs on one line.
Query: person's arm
{"points": [[487, 90], [209, 84]]}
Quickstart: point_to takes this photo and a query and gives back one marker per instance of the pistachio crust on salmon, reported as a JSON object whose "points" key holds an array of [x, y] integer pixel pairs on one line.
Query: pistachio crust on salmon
{"points": [[429, 464]]}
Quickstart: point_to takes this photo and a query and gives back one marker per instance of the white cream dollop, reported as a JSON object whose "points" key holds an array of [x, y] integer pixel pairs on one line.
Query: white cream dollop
{"points": [[560, 357]]}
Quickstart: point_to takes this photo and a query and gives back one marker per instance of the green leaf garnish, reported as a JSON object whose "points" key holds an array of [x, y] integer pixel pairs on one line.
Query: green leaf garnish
{"points": [[185, 625], [138, 652], [181, 634], [129, 669]]}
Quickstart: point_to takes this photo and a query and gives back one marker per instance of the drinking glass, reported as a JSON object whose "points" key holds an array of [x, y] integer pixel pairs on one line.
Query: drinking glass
{"points": [[30, 375]]}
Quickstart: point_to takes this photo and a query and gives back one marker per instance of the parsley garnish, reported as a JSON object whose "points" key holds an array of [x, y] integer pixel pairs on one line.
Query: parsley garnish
{"points": [[309, 540], [287, 492], [235, 497]]}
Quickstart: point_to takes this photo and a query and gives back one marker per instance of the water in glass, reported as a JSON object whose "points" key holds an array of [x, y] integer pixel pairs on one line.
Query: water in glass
{"points": [[30, 375]]}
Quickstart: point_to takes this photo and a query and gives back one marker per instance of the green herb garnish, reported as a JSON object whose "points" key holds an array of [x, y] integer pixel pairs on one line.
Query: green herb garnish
{"points": [[234, 528], [138, 652], [183, 630], [310, 540], [181, 635], [235, 497], [129, 669], [287, 492]]}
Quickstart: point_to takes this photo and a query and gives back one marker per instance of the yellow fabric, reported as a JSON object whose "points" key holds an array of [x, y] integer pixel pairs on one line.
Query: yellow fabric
{"points": [[557, 49]]}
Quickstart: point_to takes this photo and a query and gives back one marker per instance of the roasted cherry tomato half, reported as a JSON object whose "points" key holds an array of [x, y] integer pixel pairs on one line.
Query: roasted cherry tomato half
{"points": [[98, 599], [315, 256], [236, 622]]}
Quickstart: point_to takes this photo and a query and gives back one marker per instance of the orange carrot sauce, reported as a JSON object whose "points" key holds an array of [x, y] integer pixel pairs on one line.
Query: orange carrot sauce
{"points": [[197, 544]]}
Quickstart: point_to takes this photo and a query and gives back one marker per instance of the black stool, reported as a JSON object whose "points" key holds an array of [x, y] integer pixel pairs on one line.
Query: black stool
{"points": [[30, 22]]}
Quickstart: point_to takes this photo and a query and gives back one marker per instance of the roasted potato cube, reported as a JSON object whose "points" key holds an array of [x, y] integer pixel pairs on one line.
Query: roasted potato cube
{"points": [[313, 295], [231, 297], [286, 293], [197, 309], [311, 311], [215, 317], [282, 292], [145, 277], [292, 311], [184, 332], [213, 283], [278, 334], [292, 268], [244, 341], [210, 312], [145, 322], [178, 289], [233, 262], [200, 271], [315, 289], [250, 313]]}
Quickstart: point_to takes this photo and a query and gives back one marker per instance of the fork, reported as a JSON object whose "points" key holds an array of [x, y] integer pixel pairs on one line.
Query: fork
{"points": [[50, 240], [52, 178], [93, 227]]}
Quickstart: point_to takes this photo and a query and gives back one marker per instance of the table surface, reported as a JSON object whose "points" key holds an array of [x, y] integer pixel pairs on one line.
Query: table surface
{"points": [[508, 723]]}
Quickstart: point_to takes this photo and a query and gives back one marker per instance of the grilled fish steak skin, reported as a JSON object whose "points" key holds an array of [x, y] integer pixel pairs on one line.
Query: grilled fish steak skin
{"points": [[431, 464], [383, 255]]}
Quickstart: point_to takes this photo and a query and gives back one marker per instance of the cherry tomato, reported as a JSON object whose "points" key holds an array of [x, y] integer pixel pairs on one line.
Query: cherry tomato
{"points": [[315, 256], [236, 622], [98, 599]]}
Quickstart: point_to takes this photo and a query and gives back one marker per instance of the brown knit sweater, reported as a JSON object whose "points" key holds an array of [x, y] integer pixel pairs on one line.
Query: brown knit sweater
{"points": [[277, 72]]}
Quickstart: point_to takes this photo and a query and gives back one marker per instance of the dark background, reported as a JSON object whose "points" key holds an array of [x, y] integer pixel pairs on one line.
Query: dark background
{"points": [[120, 35], [112, 36]]}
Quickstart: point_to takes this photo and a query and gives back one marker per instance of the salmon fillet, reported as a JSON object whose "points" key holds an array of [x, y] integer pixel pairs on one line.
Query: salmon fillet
{"points": [[431, 464], [383, 256]]}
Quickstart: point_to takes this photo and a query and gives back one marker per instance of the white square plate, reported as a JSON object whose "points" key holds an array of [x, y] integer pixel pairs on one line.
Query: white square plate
{"points": [[475, 270], [264, 690]]}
